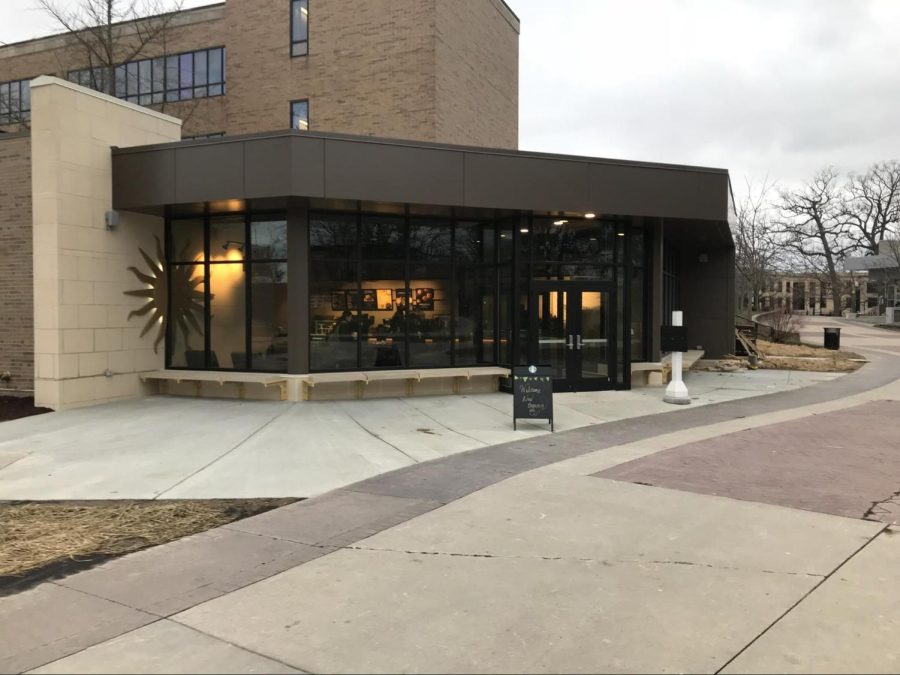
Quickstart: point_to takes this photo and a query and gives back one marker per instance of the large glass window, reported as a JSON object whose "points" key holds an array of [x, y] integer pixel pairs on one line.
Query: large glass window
{"points": [[15, 101], [269, 294], [179, 77], [385, 286], [299, 27], [229, 299]]}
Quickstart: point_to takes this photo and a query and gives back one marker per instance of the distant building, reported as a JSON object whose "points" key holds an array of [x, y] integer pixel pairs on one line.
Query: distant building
{"points": [[811, 295], [882, 273]]}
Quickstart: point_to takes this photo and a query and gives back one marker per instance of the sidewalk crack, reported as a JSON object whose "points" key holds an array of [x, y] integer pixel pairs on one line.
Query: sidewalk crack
{"points": [[601, 561], [802, 598]]}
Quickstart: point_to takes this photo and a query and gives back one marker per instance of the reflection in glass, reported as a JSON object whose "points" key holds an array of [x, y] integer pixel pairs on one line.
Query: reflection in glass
{"points": [[382, 238], [186, 240], [268, 237], [475, 242], [552, 331], [430, 240], [228, 299], [383, 325], [638, 313], [332, 236], [429, 316], [476, 308], [186, 320], [334, 315], [269, 318], [226, 238], [593, 340]]}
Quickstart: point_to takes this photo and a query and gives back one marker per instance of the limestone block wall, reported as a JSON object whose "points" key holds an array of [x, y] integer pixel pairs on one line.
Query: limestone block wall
{"points": [[87, 350], [16, 325]]}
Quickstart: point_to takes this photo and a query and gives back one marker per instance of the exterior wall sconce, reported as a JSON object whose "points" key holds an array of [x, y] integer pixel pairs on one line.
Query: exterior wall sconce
{"points": [[112, 220]]}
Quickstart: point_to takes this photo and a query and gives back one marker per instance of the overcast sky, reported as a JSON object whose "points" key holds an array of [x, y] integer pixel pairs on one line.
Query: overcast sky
{"points": [[760, 87]]}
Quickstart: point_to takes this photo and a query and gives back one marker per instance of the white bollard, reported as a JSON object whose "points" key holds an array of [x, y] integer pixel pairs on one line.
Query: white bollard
{"points": [[677, 391]]}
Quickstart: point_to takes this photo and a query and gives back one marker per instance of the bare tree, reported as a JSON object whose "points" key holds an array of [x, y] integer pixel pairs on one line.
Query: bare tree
{"points": [[872, 205], [107, 33], [814, 228], [757, 249]]}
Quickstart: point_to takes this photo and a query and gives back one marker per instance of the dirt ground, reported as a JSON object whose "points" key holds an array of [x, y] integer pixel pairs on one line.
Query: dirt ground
{"points": [[14, 407], [41, 540], [805, 357]]}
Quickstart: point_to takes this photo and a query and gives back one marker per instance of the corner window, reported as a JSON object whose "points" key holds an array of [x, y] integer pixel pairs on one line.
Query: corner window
{"points": [[300, 115], [15, 101], [299, 27]]}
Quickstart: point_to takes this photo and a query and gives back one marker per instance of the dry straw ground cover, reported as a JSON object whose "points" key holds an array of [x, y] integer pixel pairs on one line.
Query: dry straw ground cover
{"points": [[36, 536], [804, 357]]}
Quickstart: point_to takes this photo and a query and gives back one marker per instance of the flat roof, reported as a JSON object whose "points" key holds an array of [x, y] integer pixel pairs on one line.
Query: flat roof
{"points": [[338, 166]]}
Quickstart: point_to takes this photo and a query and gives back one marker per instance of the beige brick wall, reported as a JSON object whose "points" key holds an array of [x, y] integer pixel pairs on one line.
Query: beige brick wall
{"points": [[196, 29], [16, 311], [431, 70], [369, 70], [81, 323], [477, 74]]}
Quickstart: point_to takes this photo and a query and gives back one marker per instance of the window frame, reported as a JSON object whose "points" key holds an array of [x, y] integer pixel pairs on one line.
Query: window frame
{"points": [[294, 43], [129, 75], [19, 115], [291, 121]]}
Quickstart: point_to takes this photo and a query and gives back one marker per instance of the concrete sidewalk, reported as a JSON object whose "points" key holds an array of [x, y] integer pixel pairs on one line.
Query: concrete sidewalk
{"points": [[522, 557], [180, 448]]}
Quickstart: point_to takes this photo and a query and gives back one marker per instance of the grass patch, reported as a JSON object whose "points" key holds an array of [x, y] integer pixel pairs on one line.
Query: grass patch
{"points": [[41, 540]]}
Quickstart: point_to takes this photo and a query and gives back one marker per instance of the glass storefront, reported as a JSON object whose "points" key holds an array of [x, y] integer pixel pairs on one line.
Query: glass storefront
{"points": [[227, 287], [394, 287]]}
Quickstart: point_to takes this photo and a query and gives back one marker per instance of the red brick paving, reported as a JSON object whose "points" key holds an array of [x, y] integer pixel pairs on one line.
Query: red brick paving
{"points": [[837, 463]]}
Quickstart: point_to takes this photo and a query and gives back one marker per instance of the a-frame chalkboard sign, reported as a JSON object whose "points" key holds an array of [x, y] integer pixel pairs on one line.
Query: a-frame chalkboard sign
{"points": [[532, 394]]}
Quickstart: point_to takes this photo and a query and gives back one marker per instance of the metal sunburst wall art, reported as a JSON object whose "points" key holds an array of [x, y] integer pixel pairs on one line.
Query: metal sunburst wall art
{"points": [[186, 299]]}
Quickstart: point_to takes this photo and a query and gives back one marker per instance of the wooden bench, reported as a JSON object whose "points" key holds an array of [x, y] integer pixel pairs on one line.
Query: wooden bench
{"points": [[659, 373], [199, 377], [411, 377]]}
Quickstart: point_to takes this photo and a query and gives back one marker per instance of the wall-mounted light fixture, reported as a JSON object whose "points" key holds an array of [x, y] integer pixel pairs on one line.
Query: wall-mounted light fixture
{"points": [[232, 245], [112, 220]]}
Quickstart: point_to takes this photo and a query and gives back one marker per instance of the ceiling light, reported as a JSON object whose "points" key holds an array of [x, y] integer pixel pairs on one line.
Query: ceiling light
{"points": [[560, 223], [590, 216], [524, 230], [621, 234]]}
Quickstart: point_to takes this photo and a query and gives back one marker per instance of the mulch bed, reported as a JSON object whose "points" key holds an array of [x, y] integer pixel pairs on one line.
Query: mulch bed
{"points": [[14, 407], [50, 540]]}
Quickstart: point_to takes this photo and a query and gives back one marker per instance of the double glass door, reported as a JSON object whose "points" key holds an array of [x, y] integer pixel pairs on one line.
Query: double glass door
{"points": [[572, 332]]}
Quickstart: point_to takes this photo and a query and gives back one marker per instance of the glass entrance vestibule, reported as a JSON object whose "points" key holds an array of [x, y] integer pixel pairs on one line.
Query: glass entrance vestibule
{"points": [[356, 286]]}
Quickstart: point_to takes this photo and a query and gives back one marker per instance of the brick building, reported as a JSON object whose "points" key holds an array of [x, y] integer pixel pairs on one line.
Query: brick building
{"points": [[425, 70], [324, 198]]}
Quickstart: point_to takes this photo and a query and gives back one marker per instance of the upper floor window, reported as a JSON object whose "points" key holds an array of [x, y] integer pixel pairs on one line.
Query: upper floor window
{"points": [[300, 115], [178, 77], [299, 27], [15, 101]]}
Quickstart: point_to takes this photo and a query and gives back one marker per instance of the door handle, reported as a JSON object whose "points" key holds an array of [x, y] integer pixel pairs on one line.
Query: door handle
{"points": [[580, 342], [570, 342]]}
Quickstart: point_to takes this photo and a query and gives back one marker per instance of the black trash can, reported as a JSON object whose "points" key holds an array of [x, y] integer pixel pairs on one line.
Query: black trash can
{"points": [[833, 338]]}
